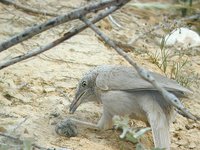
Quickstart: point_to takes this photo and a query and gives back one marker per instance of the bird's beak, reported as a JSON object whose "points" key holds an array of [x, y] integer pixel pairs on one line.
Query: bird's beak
{"points": [[76, 102]]}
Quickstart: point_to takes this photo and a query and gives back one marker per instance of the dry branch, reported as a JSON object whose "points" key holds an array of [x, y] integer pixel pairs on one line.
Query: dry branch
{"points": [[28, 9], [9, 136], [54, 22], [58, 41], [16, 139], [169, 97]]}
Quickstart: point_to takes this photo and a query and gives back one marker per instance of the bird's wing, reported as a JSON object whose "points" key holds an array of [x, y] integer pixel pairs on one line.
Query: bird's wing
{"points": [[126, 78]]}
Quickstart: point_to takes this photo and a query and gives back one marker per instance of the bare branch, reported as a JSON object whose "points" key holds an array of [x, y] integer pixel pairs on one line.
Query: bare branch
{"points": [[9, 136], [16, 139], [28, 9], [58, 41], [18, 125], [169, 97], [43, 148], [54, 22]]}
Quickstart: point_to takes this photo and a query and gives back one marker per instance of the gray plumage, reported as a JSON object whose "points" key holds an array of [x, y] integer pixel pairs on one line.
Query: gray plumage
{"points": [[123, 92]]}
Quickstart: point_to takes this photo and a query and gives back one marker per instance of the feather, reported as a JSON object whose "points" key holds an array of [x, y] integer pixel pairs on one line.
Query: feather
{"points": [[160, 130], [126, 78], [159, 119]]}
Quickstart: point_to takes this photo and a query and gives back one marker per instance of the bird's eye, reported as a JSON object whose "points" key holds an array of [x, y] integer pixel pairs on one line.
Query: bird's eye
{"points": [[84, 84]]}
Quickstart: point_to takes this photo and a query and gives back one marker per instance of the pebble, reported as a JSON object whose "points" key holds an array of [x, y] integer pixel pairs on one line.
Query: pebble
{"points": [[189, 126], [49, 89], [182, 142], [174, 146], [26, 131], [183, 37], [2, 129], [192, 145], [54, 114]]}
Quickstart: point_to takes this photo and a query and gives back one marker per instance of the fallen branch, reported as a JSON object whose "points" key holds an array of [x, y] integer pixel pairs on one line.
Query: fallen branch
{"points": [[6, 146], [54, 22], [58, 41], [18, 140], [18, 125], [193, 17], [169, 97], [28, 9], [9, 136]]}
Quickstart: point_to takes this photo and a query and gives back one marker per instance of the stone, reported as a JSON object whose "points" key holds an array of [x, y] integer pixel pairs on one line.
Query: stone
{"points": [[2, 129], [183, 37], [66, 128], [182, 142], [192, 145]]}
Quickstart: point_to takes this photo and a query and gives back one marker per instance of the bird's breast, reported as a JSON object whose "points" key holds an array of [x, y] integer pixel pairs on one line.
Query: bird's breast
{"points": [[122, 103]]}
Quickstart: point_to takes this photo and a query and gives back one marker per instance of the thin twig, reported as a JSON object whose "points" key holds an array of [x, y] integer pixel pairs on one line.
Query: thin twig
{"points": [[18, 125], [16, 147], [43, 148], [193, 17], [157, 27], [169, 97], [54, 22], [133, 40], [63, 61], [9, 136], [58, 41], [21, 142], [28, 9]]}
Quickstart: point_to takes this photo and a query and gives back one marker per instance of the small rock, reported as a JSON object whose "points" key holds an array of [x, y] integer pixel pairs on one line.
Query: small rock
{"points": [[179, 129], [55, 114], [37, 89], [192, 145], [2, 129], [176, 135], [182, 142], [174, 146], [26, 131], [189, 126], [53, 122], [5, 101], [49, 89], [183, 37]]}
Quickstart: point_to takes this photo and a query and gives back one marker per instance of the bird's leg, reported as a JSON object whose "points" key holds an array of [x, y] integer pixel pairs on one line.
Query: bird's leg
{"points": [[84, 123], [68, 127], [105, 121]]}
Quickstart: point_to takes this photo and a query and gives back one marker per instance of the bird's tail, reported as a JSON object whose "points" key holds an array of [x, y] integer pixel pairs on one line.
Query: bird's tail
{"points": [[160, 129]]}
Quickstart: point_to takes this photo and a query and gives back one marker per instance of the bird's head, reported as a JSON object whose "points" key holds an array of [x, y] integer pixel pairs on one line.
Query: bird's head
{"points": [[84, 92]]}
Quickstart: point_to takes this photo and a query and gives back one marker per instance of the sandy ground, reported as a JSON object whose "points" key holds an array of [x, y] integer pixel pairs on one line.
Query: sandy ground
{"points": [[36, 93]]}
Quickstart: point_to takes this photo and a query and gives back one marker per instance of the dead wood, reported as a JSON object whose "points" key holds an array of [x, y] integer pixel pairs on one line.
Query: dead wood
{"points": [[66, 36], [32, 31]]}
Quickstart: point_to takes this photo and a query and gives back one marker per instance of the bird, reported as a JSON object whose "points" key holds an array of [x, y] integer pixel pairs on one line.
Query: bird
{"points": [[122, 92]]}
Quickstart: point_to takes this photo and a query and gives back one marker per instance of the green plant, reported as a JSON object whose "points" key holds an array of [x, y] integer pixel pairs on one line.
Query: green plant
{"points": [[131, 134], [17, 144], [27, 143], [173, 64]]}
